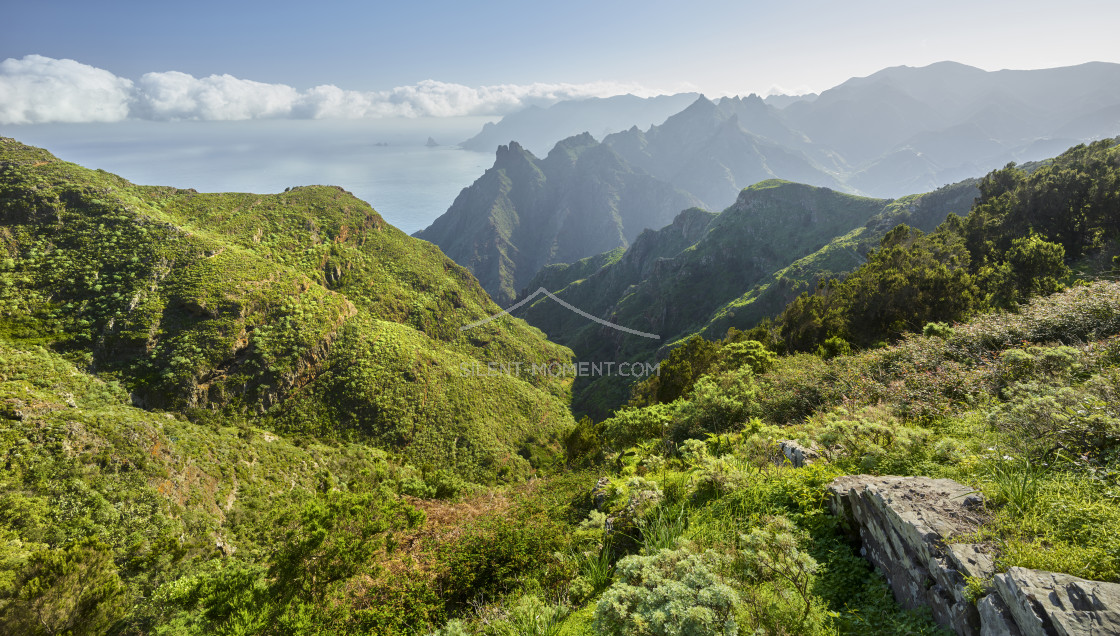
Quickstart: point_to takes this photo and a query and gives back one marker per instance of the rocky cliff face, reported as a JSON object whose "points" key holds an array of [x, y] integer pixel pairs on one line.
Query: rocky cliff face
{"points": [[906, 525]]}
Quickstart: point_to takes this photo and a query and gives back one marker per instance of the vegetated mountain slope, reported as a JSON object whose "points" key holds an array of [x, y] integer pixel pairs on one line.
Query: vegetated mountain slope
{"points": [[539, 129], [122, 520], [839, 256], [303, 309], [715, 150], [672, 281], [1017, 241], [525, 213], [1031, 393]]}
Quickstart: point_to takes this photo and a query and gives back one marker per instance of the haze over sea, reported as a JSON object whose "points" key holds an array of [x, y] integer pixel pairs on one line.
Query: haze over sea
{"points": [[408, 183]]}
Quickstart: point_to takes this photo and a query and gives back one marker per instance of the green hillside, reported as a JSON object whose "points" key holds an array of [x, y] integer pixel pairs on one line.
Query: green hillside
{"points": [[303, 310], [839, 256], [1019, 240], [706, 274]]}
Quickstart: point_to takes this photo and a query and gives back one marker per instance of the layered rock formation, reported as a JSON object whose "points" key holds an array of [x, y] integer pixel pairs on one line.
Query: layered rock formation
{"points": [[907, 526]]}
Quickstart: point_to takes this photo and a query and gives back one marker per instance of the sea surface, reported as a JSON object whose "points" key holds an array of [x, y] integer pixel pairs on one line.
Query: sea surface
{"points": [[384, 161]]}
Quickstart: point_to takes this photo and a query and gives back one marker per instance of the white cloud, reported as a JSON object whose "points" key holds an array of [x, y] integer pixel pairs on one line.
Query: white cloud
{"points": [[40, 89], [175, 95]]}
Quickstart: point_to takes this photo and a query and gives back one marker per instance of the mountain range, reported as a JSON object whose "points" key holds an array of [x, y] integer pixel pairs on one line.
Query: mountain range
{"points": [[898, 131], [525, 213], [538, 129]]}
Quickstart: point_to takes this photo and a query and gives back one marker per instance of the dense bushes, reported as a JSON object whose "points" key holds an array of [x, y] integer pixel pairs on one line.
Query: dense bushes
{"points": [[500, 556]]}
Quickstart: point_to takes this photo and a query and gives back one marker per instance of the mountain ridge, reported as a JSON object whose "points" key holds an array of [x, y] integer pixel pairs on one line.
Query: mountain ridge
{"points": [[525, 213]]}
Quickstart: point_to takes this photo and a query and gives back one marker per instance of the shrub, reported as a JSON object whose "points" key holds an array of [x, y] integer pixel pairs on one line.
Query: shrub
{"points": [[770, 553], [832, 347], [671, 593], [719, 404], [74, 590], [869, 440], [747, 353], [584, 443], [937, 330], [1040, 421], [500, 555], [631, 425]]}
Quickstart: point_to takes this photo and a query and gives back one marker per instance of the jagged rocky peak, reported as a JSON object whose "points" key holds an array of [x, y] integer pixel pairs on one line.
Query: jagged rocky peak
{"points": [[701, 108], [511, 154]]}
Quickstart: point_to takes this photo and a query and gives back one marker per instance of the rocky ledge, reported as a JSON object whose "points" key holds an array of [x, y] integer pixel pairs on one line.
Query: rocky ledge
{"points": [[907, 526]]}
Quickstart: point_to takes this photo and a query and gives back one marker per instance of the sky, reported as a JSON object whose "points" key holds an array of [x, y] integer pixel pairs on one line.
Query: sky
{"points": [[83, 61]]}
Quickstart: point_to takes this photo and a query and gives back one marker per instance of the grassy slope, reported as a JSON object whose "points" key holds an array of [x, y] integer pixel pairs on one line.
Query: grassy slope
{"points": [[165, 498], [1022, 406], [271, 305]]}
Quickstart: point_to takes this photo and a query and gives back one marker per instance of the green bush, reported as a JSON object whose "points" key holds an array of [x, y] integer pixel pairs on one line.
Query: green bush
{"points": [[500, 555], [670, 593], [832, 347], [769, 553], [73, 590], [1041, 421], [632, 425], [869, 440], [746, 353], [583, 445], [718, 404]]}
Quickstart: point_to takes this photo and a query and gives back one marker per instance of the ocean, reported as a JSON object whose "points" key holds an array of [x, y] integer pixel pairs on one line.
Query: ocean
{"points": [[382, 161]]}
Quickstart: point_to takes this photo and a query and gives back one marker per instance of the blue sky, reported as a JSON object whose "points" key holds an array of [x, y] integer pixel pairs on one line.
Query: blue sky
{"points": [[719, 47]]}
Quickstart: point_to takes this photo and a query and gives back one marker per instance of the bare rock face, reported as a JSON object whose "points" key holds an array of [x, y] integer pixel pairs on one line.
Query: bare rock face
{"points": [[905, 524], [996, 618], [1049, 604]]}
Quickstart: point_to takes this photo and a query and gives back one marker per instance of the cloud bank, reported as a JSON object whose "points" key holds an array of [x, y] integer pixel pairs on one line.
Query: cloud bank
{"points": [[37, 89]]}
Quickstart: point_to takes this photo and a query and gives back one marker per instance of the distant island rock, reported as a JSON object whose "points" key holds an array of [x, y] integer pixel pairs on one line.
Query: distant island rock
{"points": [[431, 143]]}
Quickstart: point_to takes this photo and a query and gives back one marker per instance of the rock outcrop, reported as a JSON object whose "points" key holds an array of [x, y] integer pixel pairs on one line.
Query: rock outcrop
{"points": [[797, 455], [907, 525], [1045, 603]]}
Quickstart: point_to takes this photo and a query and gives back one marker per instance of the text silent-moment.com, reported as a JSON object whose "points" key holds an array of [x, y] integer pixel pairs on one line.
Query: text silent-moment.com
{"points": [[560, 369]]}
